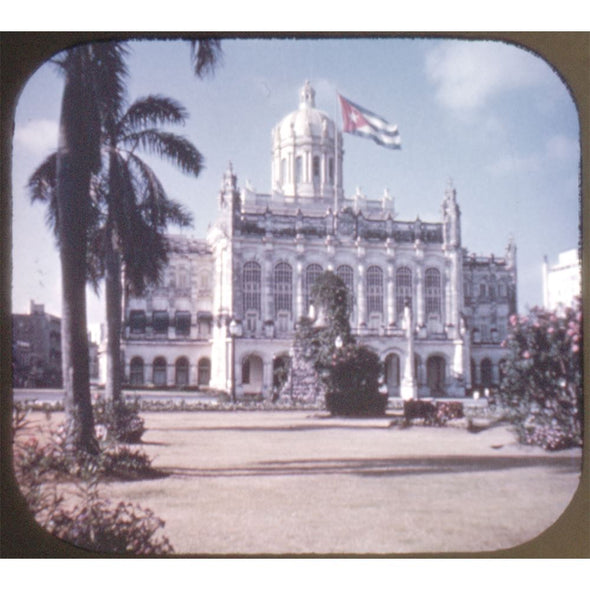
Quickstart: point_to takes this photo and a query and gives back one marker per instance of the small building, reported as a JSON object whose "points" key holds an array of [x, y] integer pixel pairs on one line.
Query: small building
{"points": [[36, 348], [561, 281]]}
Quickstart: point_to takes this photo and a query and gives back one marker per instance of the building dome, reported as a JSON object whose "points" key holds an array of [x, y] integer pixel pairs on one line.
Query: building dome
{"points": [[306, 120], [307, 153]]}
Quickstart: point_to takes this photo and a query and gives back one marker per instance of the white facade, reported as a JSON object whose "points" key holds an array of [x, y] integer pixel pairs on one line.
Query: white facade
{"points": [[561, 282], [226, 313]]}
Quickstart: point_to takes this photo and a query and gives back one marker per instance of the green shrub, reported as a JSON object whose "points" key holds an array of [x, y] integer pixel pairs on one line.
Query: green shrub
{"points": [[352, 382], [120, 419], [433, 413], [419, 409]]}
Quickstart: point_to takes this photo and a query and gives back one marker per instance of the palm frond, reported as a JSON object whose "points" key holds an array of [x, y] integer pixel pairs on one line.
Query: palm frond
{"points": [[110, 85], [42, 187], [152, 110], [206, 54], [178, 150], [157, 208]]}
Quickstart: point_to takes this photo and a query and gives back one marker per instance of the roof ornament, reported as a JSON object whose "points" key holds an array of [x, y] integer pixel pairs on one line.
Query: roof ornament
{"points": [[307, 96]]}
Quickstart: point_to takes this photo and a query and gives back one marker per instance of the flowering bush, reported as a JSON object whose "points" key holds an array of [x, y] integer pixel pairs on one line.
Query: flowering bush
{"points": [[99, 525], [541, 385], [94, 523]]}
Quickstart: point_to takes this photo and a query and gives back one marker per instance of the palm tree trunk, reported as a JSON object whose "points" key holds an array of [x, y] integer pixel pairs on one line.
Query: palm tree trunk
{"points": [[77, 157], [114, 306], [75, 355]]}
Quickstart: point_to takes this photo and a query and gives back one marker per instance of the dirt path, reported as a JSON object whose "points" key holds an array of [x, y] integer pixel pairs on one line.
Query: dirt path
{"points": [[301, 483]]}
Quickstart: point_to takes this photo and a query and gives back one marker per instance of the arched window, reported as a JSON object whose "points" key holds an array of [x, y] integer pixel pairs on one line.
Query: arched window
{"points": [[136, 375], [312, 272], [474, 379], [374, 290], [159, 372], [252, 373], [432, 291], [486, 372], [204, 369], [435, 374], [482, 290], [251, 286], [403, 289], [299, 169], [392, 373], [183, 278], [316, 168], [181, 372], [283, 287], [346, 275]]}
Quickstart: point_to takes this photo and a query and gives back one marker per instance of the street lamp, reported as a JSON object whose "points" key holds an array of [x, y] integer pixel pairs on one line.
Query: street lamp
{"points": [[234, 331]]}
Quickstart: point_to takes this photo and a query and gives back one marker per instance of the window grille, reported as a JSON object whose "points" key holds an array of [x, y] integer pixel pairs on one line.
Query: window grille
{"points": [[432, 291], [283, 287], [403, 289], [251, 286], [374, 290]]}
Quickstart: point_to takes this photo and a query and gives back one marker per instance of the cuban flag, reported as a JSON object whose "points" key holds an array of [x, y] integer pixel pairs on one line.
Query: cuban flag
{"points": [[359, 121]]}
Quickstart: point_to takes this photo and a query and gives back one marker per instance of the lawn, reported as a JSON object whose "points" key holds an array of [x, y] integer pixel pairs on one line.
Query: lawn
{"points": [[303, 483]]}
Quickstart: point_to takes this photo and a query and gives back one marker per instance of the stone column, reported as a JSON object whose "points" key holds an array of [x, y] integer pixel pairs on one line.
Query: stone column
{"points": [[419, 296], [361, 299], [408, 389], [390, 294], [299, 299]]}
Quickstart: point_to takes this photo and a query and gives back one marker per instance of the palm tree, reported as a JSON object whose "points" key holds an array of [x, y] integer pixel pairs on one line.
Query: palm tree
{"points": [[93, 83], [138, 210], [92, 98], [130, 211]]}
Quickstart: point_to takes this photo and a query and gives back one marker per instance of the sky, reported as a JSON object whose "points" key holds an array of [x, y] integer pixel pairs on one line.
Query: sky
{"points": [[494, 118]]}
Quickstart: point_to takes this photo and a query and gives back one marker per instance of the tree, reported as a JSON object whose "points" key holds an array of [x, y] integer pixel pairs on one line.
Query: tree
{"points": [[91, 104], [541, 385], [93, 81], [326, 353], [138, 210]]}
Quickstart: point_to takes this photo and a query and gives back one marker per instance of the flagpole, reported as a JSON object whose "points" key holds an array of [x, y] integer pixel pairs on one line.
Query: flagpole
{"points": [[336, 170]]}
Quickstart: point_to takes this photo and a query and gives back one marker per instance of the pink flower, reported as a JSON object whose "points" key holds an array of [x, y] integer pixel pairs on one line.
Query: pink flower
{"points": [[526, 354], [513, 320]]}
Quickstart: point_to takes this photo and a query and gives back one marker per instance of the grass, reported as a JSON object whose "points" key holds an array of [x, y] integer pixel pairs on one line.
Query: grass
{"points": [[301, 483]]}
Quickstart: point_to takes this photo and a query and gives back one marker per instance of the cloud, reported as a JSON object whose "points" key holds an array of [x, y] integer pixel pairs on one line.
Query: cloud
{"points": [[557, 149], [516, 165], [37, 136], [560, 147], [466, 75]]}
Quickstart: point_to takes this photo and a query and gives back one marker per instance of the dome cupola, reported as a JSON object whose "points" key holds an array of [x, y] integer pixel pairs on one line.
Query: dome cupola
{"points": [[307, 153]]}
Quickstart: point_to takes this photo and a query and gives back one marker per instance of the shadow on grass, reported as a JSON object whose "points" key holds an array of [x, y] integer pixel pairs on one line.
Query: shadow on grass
{"points": [[386, 467]]}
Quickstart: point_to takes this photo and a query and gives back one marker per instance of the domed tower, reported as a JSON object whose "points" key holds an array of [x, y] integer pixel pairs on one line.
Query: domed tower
{"points": [[307, 155]]}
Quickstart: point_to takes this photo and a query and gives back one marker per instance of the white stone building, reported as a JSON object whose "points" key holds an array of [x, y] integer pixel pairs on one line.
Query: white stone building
{"points": [[561, 281], [225, 314]]}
